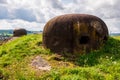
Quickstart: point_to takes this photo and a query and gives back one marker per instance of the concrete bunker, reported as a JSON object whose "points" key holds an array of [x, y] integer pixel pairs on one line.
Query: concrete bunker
{"points": [[74, 33], [19, 32]]}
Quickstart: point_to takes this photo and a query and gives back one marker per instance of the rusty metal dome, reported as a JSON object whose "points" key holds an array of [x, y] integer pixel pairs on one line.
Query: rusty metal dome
{"points": [[19, 32], [74, 33]]}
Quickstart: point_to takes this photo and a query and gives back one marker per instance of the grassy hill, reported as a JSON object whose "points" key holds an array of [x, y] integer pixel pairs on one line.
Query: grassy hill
{"points": [[16, 57]]}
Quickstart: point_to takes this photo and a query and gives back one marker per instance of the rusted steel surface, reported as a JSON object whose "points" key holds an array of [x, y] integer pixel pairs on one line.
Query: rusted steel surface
{"points": [[19, 32], [74, 33]]}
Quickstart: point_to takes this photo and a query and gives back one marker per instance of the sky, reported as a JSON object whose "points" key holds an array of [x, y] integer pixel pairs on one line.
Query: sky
{"points": [[34, 14]]}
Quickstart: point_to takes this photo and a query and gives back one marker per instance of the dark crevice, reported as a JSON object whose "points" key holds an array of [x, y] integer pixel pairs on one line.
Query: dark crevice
{"points": [[84, 40]]}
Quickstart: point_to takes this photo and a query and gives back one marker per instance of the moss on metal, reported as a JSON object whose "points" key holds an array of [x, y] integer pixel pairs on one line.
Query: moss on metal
{"points": [[19, 32], [74, 33]]}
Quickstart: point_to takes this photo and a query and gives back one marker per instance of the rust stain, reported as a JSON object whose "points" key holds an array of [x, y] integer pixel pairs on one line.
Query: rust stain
{"points": [[74, 33]]}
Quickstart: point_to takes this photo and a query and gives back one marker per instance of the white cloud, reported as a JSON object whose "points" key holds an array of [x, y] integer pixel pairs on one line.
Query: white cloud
{"points": [[17, 23], [34, 13], [5, 25], [113, 25]]}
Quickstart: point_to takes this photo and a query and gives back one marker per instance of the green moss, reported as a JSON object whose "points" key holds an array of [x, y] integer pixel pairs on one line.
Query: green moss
{"points": [[16, 56]]}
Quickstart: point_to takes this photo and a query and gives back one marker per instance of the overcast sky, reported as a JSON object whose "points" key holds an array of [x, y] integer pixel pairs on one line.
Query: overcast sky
{"points": [[33, 14]]}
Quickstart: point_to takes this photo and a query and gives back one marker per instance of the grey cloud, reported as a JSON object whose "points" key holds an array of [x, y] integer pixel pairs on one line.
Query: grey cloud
{"points": [[80, 1], [43, 10], [109, 11], [21, 13], [41, 17], [105, 10], [3, 1], [24, 14], [4, 14], [56, 4]]}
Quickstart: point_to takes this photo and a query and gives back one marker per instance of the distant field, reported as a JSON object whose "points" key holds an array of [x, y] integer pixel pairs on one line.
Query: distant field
{"points": [[16, 56], [116, 37]]}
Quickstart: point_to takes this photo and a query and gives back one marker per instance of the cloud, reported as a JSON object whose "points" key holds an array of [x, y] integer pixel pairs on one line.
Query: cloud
{"points": [[102, 8], [4, 14], [3, 1], [56, 4], [113, 25], [40, 11], [17, 23], [34, 10], [24, 14]]}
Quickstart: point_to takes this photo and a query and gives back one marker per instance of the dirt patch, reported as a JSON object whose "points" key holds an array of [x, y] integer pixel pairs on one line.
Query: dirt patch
{"points": [[39, 63]]}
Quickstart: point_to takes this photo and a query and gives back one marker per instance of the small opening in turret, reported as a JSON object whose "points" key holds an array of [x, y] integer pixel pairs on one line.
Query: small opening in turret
{"points": [[84, 40]]}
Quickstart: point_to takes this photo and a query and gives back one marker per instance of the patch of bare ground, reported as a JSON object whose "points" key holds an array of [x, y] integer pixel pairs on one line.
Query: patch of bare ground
{"points": [[48, 62], [41, 64]]}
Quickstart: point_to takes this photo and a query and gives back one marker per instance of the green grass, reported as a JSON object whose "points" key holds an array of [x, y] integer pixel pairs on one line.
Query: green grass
{"points": [[16, 56]]}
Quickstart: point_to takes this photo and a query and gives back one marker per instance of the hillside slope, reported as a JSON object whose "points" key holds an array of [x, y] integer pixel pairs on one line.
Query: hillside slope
{"points": [[16, 57]]}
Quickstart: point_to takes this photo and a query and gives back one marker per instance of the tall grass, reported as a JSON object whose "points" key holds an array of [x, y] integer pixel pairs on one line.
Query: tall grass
{"points": [[101, 64], [16, 56]]}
